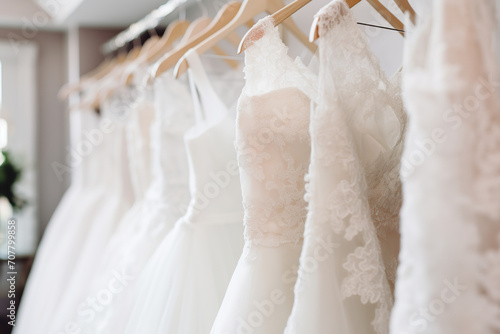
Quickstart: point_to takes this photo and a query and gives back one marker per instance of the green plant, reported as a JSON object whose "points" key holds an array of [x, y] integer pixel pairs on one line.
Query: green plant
{"points": [[10, 173]]}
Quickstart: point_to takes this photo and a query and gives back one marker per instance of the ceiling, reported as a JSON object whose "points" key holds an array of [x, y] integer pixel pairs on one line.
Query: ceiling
{"points": [[66, 13], [102, 13], [92, 13]]}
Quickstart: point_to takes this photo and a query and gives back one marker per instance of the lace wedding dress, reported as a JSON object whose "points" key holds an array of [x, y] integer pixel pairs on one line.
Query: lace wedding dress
{"points": [[65, 233], [184, 282], [351, 234], [449, 276], [164, 201], [273, 150]]}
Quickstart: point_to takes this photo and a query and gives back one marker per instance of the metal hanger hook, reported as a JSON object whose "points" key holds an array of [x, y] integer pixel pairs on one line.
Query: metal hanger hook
{"points": [[182, 13], [122, 50], [136, 42], [203, 7], [152, 32]]}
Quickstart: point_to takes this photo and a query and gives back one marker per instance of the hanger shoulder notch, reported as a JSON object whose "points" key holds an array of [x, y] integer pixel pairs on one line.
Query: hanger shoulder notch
{"points": [[224, 16]]}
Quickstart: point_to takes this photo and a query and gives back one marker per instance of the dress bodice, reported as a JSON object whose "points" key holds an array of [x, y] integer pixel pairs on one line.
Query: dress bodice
{"points": [[173, 117], [87, 148], [88, 135], [115, 172], [214, 182], [272, 139], [371, 109], [141, 113]]}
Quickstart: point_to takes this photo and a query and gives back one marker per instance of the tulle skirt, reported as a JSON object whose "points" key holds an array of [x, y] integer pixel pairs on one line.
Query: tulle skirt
{"points": [[56, 257], [183, 285], [259, 298], [137, 237], [76, 291]]}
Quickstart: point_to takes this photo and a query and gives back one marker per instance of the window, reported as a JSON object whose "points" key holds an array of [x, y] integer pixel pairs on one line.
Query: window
{"points": [[18, 139]]}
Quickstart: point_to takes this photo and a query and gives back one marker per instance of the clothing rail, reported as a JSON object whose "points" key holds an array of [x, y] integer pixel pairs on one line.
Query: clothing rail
{"points": [[136, 29]]}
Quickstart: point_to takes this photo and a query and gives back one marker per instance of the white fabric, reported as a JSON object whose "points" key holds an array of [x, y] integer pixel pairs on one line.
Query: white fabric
{"points": [[138, 132], [449, 276], [351, 234], [117, 201], [63, 238], [184, 282], [273, 149], [153, 214]]}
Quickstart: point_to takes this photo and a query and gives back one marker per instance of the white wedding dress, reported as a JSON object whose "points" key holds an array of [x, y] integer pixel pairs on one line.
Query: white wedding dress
{"points": [[115, 203], [66, 232], [163, 202], [351, 235], [273, 149], [184, 282], [449, 276]]}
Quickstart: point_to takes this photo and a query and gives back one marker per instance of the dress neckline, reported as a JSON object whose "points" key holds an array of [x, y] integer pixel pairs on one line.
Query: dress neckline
{"points": [[208, 106], [265, 36]]}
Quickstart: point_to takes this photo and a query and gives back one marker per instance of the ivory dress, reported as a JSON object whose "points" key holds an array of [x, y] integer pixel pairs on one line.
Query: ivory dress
{"points": [[351, 237], [163, 202], [449, 277], [114, 205], [67, 230], [273, 148], [183, 284]]}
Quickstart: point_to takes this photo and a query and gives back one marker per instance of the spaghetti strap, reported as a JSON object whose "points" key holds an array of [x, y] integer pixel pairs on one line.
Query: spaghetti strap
{"points": [[207, 103]]}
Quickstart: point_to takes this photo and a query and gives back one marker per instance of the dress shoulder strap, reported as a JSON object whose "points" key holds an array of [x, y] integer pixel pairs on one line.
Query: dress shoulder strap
{"points": [[208, 105]]}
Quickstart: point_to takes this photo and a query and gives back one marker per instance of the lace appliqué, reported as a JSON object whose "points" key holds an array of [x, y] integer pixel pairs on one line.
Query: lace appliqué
{"points": [[464, 171], [268, 66], [348, 214], [273, 148], [486, 193], [356, 101], [272, 140]]}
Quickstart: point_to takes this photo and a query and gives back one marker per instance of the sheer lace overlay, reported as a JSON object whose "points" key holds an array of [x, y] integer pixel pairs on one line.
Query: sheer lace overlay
{"points": [[353, 188], [273, 141], [273, 151], [450, 220]]}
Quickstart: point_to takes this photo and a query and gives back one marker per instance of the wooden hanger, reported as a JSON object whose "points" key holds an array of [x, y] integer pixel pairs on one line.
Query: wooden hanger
{"points": [[104, 90], [174, 31], [278, 17], [114, 74], [148, 45], [202, 23], [405, 6], [199, 25], [120, 59], [128, 75], [248, 10], [379, 7], [195, 28], [131, 57], [224, 16], [155, 47], [287, 11], [105, 67], [109, 88]]}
